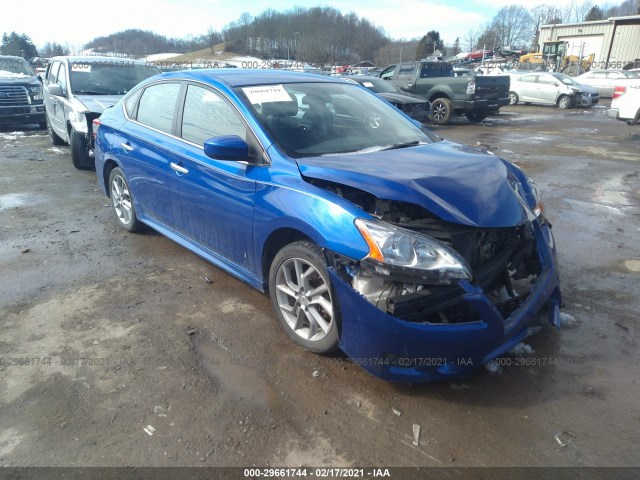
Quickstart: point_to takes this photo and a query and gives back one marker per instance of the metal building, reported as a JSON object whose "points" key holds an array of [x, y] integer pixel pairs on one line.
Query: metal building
{"points": [[615, 41]]}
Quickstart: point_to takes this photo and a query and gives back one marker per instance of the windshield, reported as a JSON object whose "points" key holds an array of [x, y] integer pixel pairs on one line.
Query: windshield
{"points": [[105, 78], [14, 68], [565, 79], [313, 119]]}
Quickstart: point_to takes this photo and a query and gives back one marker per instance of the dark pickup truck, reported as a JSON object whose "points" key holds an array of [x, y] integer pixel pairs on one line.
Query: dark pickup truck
{"points": [[20, 93], [475, 97]]}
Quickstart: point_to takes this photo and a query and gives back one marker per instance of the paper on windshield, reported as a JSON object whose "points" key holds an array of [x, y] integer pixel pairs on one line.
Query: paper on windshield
{"points": [[266, 94]]}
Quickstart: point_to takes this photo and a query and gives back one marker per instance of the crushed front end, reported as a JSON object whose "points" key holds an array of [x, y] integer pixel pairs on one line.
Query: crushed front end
{"points": [[403, 326]]}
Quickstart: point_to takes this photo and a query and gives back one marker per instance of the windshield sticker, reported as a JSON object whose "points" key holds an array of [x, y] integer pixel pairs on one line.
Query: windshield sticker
{"points": [[367, 84], [80, 67], [266, 94]]}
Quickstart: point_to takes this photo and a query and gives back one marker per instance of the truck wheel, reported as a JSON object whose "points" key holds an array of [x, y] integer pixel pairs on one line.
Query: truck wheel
{"points": [[476, 117], [79, 152], [513, 98], [564, 102], [441, 111]]}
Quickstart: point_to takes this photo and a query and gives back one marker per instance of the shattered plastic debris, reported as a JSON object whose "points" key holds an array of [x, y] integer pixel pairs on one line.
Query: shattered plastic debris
{"points": [[160, 411], [208, 280], [150, 430], [416, 434], [521, 349], [564, 438], [493, 367], [396, 411], [567, 320], [316, 373]]}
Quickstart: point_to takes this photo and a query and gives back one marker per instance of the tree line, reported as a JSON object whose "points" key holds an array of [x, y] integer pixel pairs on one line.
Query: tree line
{"points": [[325, 36]]}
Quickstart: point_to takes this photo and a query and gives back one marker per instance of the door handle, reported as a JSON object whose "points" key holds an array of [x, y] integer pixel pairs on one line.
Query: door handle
{"points": [[126, 146], [178, 168]]}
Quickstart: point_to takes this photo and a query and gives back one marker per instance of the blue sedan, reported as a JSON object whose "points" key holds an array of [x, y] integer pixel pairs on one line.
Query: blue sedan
{"points": [[420, 258]]}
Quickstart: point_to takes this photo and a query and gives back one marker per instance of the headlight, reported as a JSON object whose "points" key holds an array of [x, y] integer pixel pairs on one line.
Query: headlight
{"points": [[36, 92], [396, 252], [539, 206]]}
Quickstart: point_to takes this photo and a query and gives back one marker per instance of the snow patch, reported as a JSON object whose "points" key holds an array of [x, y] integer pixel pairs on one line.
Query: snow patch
{"points": [[521, 349], [567, 320], [493, 367]]}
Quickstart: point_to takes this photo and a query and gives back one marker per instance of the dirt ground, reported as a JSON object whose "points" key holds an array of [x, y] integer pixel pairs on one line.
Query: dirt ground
{"points": [[115, 350]]}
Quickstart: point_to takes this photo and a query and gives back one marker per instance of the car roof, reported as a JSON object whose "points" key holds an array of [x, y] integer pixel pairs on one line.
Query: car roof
{"points": [[239, 77], [97, 58]]}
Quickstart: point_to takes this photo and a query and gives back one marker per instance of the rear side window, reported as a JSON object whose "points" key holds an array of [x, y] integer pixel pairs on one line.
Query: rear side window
{"points": [[157, 106], [528, 78], [130, 103], [207, 115], [406, 71]]}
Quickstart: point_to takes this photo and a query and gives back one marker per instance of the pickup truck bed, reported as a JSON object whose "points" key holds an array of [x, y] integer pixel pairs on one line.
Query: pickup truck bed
{"points": [[476, 97]]}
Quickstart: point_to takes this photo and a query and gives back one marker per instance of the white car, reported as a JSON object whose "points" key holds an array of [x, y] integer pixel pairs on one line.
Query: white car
{"points": [[606, 80], [552, 88], [625, 105]]}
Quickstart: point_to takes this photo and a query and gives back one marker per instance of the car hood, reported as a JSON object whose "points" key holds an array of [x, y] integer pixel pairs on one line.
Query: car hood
{"points": [[20, 80], [457, 183], [401, 98], [98, 103], [586, 88]]}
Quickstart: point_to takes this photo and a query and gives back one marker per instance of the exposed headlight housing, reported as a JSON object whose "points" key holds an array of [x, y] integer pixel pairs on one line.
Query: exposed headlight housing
{"points": [[410, 256]]}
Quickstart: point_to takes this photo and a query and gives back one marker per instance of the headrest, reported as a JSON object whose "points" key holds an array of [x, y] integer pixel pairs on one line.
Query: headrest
{"points": [[316, 99], [279, 109]]}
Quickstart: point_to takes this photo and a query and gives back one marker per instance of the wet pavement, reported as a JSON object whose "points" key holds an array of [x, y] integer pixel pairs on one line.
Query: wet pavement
{"points": [[107, 333]]}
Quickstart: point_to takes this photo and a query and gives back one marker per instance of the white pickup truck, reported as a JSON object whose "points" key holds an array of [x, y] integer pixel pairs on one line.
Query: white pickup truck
{"points": [[625, 105]]}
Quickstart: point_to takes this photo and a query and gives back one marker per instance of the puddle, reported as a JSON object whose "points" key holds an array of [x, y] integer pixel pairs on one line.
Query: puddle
{"points": [[238, 377]]}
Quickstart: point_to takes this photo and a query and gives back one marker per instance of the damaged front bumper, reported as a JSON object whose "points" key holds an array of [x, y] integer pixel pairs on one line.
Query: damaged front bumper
{"points": [[399, 350]]}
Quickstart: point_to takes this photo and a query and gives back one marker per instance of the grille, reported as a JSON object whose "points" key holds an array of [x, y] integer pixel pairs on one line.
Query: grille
{"points": [[12, 96]]}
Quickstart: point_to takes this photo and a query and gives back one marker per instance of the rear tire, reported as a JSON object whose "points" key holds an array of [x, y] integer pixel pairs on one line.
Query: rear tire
{"points": [[513, 98], [476, 117], [441, 110], [79, 154], [122, 201]]}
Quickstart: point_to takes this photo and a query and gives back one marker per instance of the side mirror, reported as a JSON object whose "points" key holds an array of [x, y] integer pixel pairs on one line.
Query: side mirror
{"points": [[227, 147], [56, 90]]}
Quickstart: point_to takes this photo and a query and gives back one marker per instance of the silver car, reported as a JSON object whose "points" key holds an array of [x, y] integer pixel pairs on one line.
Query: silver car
{"points": [[551, 88], [605, 81], [78, 89]]}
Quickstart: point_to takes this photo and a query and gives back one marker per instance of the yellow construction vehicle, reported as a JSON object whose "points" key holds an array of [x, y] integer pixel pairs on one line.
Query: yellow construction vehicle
{"points": [[553, 57]]}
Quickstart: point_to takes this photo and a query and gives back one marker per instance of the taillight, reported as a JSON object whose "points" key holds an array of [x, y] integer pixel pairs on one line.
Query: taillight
{"points": [[96, 125], [619, 91], [471, 87]]}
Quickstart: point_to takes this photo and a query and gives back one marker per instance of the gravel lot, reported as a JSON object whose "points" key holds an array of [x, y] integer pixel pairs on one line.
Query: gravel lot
{"points": [[115, 350]]}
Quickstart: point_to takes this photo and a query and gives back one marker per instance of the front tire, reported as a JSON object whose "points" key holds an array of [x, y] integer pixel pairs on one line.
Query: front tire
{"points": [[79, 154], [564, 102], [122, 201], [441, 110], [513, 98], [303, 298]]}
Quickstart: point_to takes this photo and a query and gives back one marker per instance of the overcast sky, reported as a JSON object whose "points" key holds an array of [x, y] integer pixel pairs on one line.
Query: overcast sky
{"points": [[76, 22]]}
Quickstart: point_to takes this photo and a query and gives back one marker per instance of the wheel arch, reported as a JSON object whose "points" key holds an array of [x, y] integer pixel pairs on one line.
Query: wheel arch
{"points": [[276, 240], [109, 165]]}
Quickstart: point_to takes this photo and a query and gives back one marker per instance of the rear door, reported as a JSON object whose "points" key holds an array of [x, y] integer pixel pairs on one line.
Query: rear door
{"points": [[525, 87], [147, 150]]}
